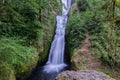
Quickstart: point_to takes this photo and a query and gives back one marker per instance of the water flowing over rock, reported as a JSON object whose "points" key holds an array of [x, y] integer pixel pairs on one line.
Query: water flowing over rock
{"points": [[55, 61], [83, 75]]}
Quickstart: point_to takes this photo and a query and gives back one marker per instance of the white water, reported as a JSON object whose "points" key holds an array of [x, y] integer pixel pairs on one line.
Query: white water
{"points": [[55, 61]]}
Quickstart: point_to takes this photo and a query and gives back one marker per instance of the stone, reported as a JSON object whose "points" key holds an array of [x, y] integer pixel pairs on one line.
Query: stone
{"points": [[83, 75]]}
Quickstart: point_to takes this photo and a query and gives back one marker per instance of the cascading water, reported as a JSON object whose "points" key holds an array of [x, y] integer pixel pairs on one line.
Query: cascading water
{"points": [[55, 61]]}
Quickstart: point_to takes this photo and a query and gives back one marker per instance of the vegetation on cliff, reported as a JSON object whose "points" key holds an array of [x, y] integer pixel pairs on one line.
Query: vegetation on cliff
{"points": [[100, 19], [27, 28]]}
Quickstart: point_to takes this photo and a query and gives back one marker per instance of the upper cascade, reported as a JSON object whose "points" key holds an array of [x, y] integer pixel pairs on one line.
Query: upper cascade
{"points": [[66, 4]]}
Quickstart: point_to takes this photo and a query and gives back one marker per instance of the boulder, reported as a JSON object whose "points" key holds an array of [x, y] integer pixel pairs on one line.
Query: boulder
{"points": [[83, 75]]}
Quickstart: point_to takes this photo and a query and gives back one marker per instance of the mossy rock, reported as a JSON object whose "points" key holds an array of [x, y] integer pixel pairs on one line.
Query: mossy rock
{"points": [[6, 73], [118, 3], [22, 59], [23, 71], [79, 61]]}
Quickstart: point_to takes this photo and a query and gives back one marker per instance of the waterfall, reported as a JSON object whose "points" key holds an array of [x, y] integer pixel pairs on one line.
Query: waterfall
{"points": [[55, 61]]}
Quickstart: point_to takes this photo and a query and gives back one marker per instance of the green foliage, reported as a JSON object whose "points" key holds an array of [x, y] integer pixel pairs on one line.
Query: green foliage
{"points": [[118, 3], [20, 58], [82, 5], [6, 72], [75, 31], [102, 25], [107, 45], [48, 36], [105, 42], [84, 22], [24, 24], [20, 18]]}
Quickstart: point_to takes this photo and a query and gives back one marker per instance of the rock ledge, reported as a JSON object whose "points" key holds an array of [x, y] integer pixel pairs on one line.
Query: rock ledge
{"points": [[83, 75]]}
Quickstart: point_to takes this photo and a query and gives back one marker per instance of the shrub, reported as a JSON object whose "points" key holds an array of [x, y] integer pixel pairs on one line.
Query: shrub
{"points": [[20, 58]]}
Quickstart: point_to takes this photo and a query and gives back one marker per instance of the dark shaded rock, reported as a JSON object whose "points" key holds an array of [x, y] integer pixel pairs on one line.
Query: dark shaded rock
{"points": [[83, 75]]}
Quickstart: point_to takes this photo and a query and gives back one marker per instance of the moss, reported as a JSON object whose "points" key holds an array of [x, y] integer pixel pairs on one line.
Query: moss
{"points": [[49, 31], [79, 61], [23, 71], [118, 3], [6, 73], [20, 58]]}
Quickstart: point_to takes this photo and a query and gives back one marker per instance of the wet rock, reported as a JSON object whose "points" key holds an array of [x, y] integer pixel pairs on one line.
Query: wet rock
{"points": [[83, 75]]}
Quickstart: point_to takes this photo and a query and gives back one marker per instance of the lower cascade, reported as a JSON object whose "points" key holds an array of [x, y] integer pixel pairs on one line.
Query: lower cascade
{"points": [[55, 61], [56, 56]]}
